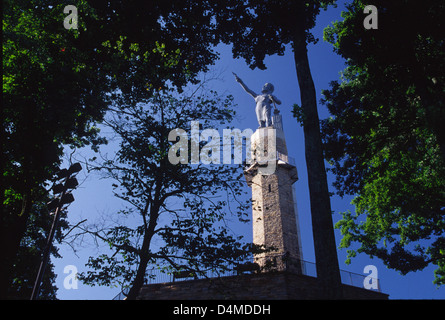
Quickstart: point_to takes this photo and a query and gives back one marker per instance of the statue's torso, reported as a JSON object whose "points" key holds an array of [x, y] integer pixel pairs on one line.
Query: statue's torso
{"points": [[263, 100]]}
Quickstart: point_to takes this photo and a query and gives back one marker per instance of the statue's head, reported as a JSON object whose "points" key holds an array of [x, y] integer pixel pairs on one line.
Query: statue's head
{"points": [[267, 88]]}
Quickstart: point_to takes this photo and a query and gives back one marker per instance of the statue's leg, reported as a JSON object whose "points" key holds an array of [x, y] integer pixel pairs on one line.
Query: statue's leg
{"points": [[267, 116], [259, 115]]}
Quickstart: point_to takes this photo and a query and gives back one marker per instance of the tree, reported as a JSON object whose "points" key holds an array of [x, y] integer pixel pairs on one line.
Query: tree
{"points": [[57, 84], [30, 253], [52, 93], [180, 208], [384, 138], [259, 28]]}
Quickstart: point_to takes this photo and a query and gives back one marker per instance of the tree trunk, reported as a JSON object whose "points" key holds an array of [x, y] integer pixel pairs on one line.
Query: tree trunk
{"points": [[328, 271], [139, 279], [145, 254]]}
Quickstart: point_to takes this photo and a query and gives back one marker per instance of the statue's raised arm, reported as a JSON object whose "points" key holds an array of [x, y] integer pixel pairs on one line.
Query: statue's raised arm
{"points": [[238, 79], [263, 102]]}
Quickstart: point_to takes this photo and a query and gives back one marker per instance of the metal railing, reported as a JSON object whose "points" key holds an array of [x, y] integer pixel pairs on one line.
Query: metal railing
{"points": [[275, 264]]}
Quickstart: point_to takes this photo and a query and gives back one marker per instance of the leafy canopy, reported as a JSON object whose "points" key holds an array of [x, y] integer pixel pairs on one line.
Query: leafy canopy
{"points": [[257, 28], [58, 83], [384, 139]]}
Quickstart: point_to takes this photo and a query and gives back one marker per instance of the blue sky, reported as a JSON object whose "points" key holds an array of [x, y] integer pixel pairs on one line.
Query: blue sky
{"points": [[94, 197]]}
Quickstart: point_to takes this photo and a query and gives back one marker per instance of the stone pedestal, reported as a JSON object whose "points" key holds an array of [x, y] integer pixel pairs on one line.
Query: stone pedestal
{"points": [[274, 216]]}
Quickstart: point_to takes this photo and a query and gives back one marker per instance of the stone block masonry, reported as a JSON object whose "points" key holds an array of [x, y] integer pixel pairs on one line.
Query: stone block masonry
{"points": [[274, 218]]}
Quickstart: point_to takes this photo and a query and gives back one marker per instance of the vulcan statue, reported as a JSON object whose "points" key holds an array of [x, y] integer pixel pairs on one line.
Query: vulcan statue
{"points": [[263, 102]]}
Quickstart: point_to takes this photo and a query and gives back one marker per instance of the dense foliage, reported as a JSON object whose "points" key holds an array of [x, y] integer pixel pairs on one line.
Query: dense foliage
{"points": [[385, 139], [57, 84]]}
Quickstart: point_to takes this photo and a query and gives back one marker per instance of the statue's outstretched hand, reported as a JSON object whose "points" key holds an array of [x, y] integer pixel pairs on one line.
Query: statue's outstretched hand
{"points": [[237, 78]]}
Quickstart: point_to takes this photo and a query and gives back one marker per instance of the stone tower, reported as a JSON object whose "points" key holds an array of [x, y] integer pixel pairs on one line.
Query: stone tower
{"points": [[274, 212], [271, 176]]}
